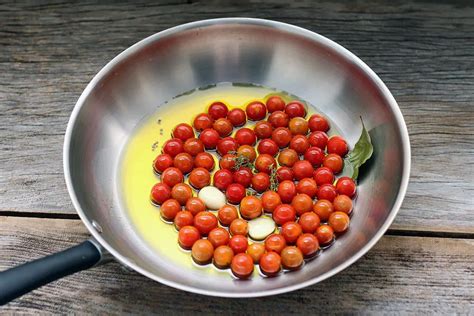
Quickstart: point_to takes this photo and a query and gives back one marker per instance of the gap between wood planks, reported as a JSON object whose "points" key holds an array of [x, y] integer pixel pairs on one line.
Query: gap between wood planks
{"points": [[389, 232]]}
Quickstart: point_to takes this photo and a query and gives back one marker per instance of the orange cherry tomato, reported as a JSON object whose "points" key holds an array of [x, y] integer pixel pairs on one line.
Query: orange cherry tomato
{"points": [[282, 136], [275, 242], [183, 218], [339, 221], [247, 151], [260, 181], [182, 192], [223, 256], [187, 236], [342, 203], [239, 227], [288, 157], [275, 103], [193, 146], [309, 222], [204, 160], [291, 258], [250, 207], [202, 251], [256, 250], [302, 203], [218, 237], [195, 205], [298, 126], [307, 186], [238, 243], [223, 126], [270, 263], [227, 214], [308, 244], [172, 176], [323, 208], [333, 162], [325, 234], [270, 200], [291, 231], [160, 192], [205, 222], [199, 178], [169, 209], [242, 266], [284, 213]]}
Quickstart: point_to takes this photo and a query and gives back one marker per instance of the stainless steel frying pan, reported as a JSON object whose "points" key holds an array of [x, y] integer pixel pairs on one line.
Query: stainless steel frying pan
{"points": [[197, 54]]}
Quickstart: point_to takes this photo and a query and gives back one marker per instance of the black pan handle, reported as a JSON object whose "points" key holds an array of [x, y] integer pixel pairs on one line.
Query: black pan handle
{"points": [[31, 275]]}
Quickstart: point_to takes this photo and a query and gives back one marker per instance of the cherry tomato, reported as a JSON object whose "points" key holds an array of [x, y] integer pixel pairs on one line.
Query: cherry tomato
{"points": [[227, 214], [237, 117], [172, 176], [333, 162], [256, 251], [342, 203], [234, 193], [346, 186], [184, 162], [205, 222], [275, 242], [173, 147], [275, 103], [187, 236], [243, 176], [339, 222], [226, 144], [295, 108], [302, 169], [287, 191], [314, 155], [223, 126], [260, 182], [162, 162], [302, 203], [337, 145], [227, 161], [183, 131], [263, 130], [318, 123], [300, 144], [265, 163], [298, 126], [183, 218], [309, 222], [256, 111], [270, 263], [202, 251], [204, 160], [323, 175], [245, 136], [291, 258], [223, 256], [307, 186], [239, 227], [288, 157], [160, 192], [251, 207], [238, 243], [202, 121], [242, 266], [284, 213], [308, 245], [318, 139], [270, 200], [199, 178], [209, 138], [248, 152], [217, 110], [291, 231], [222, 179], [285, 173], [181, 192], [323, 208], [279, 119], [281, 136], [218, 237], [325, 234], [169, 209], [326, 192], [195, 205], [193, 146], [267, 146]]}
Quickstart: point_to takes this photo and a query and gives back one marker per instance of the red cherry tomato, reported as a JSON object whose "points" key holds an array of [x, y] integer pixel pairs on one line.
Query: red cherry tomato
{"points": [[279, 119], [169, 209], [325, 234], [181, 192], [247, 151], [309, 222], [323, 175], [184, 162], [195, 205], [318, 139], [223, 256], [275, 103], [318, 123], [251, 207], [346, 186], [285, 173], [222, 179], [302, 169], [228, 161], [275, 242], [263, 130], [227, 214], [202, 251], [267, 146], [270, 263], [323, 208], [307, 186], [227, 144], [242, 266], [183, 131], [291, 231], [173, 147], [199, 178], [282, 136], [243, 176], [308, 245], [326, 192], [238, 244], [256, 251], [256, 111], [172, 176], [315, 156], [209, 138], [205, 222], [288, 157], [204, 160], [245, 136], [295, 109], [302, 203], [342, 203], [223, 126], [337, 145], [193, 146], [162, 162], [202, 121], [339, 221], [187, 236], [284, 213], [239, 227], [286, 190], [235, 193], [298, 126], [291, 258], [300, 144], [265, 163], [160, 192], [270, 200], [218, 110], [237, 117], [183, 218], [218, 237], [260, 182]]}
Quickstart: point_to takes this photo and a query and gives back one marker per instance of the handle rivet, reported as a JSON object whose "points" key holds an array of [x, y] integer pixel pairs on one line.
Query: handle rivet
{"points": [[97, 227]]}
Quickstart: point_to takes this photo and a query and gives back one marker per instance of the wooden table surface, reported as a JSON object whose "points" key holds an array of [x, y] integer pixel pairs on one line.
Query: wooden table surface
{"points": [[423, 51]]}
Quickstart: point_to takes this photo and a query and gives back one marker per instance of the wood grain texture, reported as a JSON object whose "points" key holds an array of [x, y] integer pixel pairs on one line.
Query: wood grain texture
{"points": [[424, 52], [400, 275]]}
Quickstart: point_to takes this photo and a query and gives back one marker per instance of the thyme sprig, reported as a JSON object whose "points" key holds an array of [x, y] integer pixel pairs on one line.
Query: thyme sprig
{"points": [[242, 161], [273, 178]]}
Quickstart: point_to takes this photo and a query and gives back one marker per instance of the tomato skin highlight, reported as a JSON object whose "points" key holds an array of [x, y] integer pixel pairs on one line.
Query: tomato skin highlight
{"points": [[226, 144], [300, 144], [339, 222], [218, 237], [172, 176], [264, 163], [281, 136], [193, 146], [181, 192], [315, 156], [239, 227], [285, 173], [183, 218], [184, 162], [169, 209], [204, 160], [342, 203], [199, 178], [173, 147], [195, 205], [243, 176], [288, 157], [279, 119], [302, 203], [323, 208]]}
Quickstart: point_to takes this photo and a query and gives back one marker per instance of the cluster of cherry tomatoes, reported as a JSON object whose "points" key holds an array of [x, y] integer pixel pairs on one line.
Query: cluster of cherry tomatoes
{"points": [[286, 161]]}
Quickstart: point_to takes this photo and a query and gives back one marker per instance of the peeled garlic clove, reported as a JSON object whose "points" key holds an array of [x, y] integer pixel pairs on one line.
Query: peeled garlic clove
{"points": [[212, 197], [261, 227]]}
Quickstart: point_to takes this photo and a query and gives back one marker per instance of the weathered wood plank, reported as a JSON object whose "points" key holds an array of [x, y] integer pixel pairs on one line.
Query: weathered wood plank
{"points": [[400, 275], [423, 51]]}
